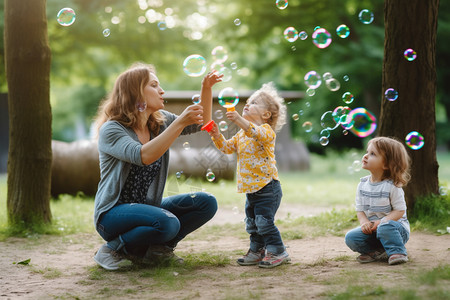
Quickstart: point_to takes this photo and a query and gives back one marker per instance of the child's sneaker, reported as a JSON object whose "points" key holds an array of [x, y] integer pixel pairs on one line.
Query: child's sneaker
{"points": [[108, 258], [396, 259], [272, 260], [378, 255], [251, 258]]}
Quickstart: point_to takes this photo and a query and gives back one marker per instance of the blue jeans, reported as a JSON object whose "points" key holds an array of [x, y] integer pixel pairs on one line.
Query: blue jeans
{"points": [[134, 227], [391, 236], [260, 209]]}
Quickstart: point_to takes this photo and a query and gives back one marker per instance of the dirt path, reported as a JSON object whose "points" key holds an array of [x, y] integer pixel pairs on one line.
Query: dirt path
{"points": [[62, 267]]}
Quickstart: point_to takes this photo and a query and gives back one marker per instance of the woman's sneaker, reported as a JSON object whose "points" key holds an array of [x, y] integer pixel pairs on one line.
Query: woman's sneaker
{"points": [[157, 254], [271, 260], [108, 259], [396, 259], [251, 258]]}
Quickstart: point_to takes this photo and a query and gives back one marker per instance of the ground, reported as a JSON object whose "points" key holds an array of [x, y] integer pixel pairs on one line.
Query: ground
{"points": [[62, 268]]}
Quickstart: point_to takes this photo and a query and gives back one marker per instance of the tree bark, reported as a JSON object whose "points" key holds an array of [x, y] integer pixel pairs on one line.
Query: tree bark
{"points": [[412, 24], [27, 62]]}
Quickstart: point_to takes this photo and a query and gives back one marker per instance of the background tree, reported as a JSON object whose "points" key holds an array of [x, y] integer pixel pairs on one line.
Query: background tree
{"points": [[27, 63], [412, 24]]}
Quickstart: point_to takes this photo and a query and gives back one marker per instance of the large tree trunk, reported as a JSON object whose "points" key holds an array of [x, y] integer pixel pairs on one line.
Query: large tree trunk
{"points": [[412, 24], [27, 61]]}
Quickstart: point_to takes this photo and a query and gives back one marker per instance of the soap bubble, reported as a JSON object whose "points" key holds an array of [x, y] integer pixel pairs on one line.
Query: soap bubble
{"points": [[307, 126], [210, 176], [356, 165], [324, 141], [178, 174], [414, 140], [106, 32], [186, 146], [162, 25], [311, 92], [365, 16], [327, 76], [343, 31], [346, 78], [66, 16], [303, 35], [313, 79], [321, 38], [333, 84], [364, 122], [348, 97], [223, 126], [196, 99], [391, 94], [290, 34], [194, 65], [235, 210], [228, 97], [226, 74], [295, 117], [410, 54], [218, 114], [281, 4], [219, 54], [325, 133], [237, 22], [327, 121]]}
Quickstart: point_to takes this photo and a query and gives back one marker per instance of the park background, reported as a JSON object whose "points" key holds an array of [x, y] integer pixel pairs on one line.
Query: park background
{"points": [[86, 60]]}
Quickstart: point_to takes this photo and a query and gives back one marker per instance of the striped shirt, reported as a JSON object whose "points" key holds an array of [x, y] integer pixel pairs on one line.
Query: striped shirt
{"points": [[378, 199]]}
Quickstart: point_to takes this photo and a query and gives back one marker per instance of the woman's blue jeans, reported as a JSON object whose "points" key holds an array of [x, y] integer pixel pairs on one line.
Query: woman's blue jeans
{"points": [[391, 236], [134, 227], [260, 209]]}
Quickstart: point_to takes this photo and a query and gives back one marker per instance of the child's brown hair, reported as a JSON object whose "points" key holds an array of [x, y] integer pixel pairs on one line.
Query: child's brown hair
{"points": [[395, 158]]}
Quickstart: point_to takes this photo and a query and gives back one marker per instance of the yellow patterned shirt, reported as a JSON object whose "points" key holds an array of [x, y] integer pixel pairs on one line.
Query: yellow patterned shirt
{"points": [[255, 148]]}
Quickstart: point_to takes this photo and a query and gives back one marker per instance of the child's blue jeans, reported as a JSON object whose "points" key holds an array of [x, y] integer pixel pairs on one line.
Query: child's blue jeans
{"points": [[260, 209], [137, 226], [391, 236]]}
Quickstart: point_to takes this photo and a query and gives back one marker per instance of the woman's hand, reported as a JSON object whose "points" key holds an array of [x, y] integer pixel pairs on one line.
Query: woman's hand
{"points": [[193, 114]]}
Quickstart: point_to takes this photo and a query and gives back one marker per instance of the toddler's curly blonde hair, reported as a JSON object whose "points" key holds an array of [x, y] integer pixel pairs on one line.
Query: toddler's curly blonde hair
{"points": [[274, 103]]}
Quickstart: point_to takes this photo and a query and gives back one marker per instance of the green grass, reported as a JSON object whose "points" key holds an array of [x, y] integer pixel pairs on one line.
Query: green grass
{"points": [[331, 182]]}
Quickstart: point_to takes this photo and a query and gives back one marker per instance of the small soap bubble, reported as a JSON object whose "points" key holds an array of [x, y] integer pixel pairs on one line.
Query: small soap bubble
{"points": [[196, 99], [66, 16], [324, 141], [303, 35], [348, 97], [346, 78], [300, 112], [162, 25], [178, 174], [194, 65], [235, 210], [333, 84], [220, 54], [344, 132], [218, 114], [290, 34], [321, 38], [281, 4], [391, 94], [414, 140], [310, 92], [410, 54], [210, 176], [307, 104], [106, 32], [366, 16], [327, 76], [343, 31], [443, 192], [313, 79], [295, 117], [325, 133], [233, 65], [237, 22], [356, 165], [307, 126], [293, 48], [186, 146], [223, 126]]}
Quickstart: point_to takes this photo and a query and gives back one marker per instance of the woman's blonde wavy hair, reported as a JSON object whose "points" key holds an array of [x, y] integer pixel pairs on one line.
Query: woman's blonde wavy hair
{"points": [[395, 158], [121, 104]]}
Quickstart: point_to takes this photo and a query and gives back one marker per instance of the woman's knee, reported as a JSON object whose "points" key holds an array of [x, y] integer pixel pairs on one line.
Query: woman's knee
{"points": [[169, 225], [208, 202]]}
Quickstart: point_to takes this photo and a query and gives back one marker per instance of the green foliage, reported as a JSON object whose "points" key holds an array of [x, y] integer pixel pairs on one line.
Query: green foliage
{"points": [[431, 213]]}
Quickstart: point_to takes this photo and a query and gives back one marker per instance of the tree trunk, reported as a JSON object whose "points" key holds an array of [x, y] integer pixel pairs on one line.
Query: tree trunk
{"points": [[412, 24], [27, 62]]}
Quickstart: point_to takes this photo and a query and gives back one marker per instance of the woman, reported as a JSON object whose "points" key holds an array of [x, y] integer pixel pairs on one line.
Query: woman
{"points": [[134, 137]]}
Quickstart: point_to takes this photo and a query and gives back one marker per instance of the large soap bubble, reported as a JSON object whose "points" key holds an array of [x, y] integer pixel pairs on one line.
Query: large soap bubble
{"points": [[313, 79], [194, 65], [228, 98], [414, 140], [66, 16], [321, 38], [364, 122]]}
